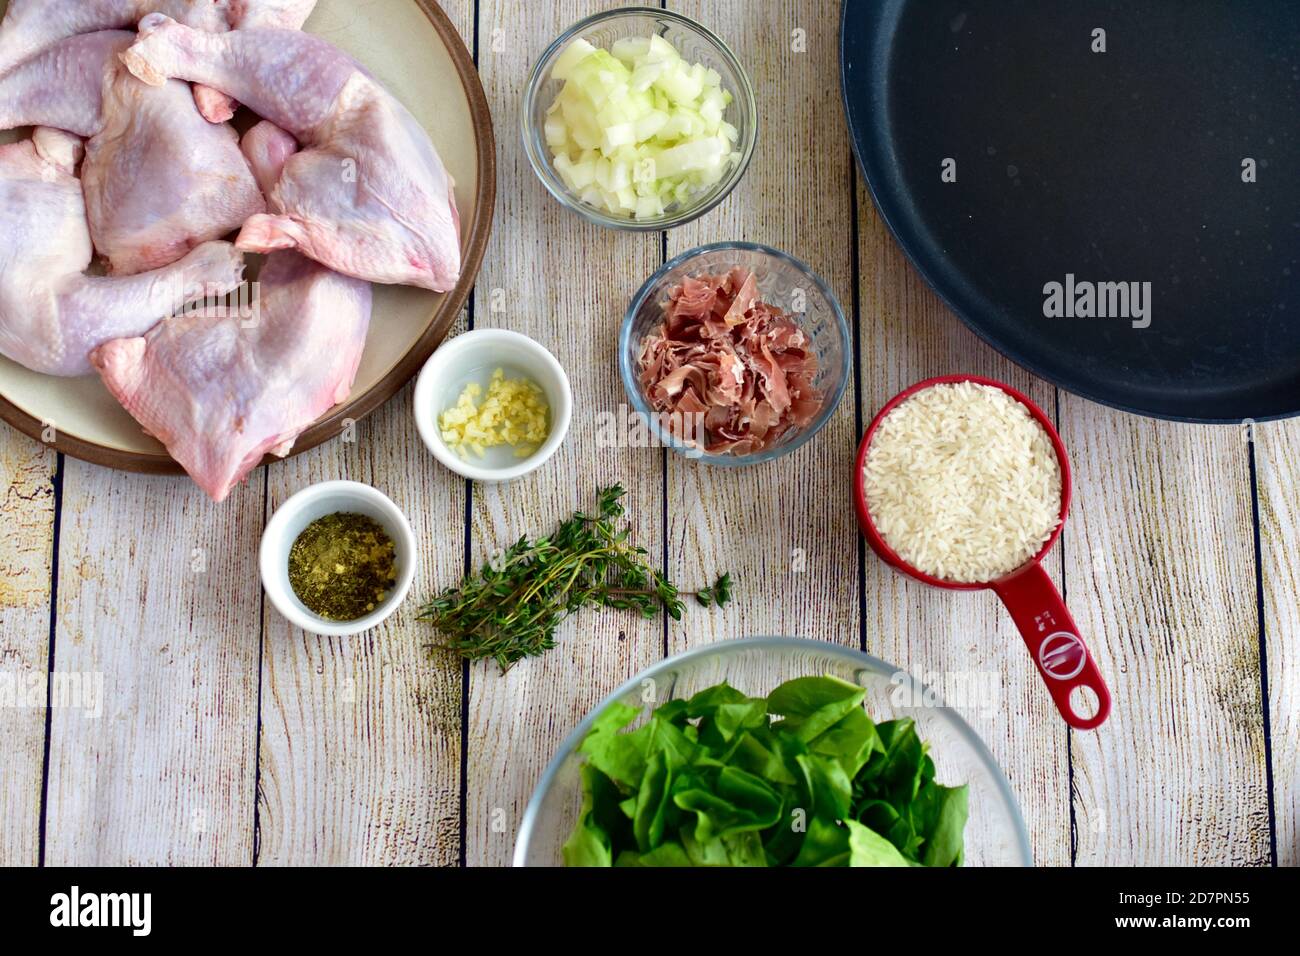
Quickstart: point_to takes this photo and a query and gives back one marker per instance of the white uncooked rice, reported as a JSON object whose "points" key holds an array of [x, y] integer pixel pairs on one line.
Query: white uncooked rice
{"points": [[963, 483]]}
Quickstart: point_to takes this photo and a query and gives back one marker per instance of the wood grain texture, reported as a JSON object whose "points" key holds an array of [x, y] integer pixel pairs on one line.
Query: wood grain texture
{"points": [[360, 740], [160, 601], [785, 529], [27, 470], [359, 750], [1160, 575], [963, 641], [567, 284], [1277, 470]]}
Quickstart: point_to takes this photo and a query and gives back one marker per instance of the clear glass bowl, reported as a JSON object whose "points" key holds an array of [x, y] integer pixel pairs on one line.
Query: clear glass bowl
{"points": [[783, 281], [995, 832], [696, 45]]}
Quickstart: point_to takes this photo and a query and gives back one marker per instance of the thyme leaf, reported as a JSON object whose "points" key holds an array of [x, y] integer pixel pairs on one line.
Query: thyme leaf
{"points": [[512, 607]]}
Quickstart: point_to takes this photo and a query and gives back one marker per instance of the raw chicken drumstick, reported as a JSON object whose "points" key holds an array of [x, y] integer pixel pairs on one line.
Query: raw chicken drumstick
{"points": [[62, 87], [159, 179], [32, 25], [51, 315], [368, 196], [221, 393]]}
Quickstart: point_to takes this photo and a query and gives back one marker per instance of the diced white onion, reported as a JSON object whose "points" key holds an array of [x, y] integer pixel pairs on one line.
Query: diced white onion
{"points": [[636, 129]]}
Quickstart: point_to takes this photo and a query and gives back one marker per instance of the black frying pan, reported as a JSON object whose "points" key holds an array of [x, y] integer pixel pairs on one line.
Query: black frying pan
{"points": [[1119, 168]]}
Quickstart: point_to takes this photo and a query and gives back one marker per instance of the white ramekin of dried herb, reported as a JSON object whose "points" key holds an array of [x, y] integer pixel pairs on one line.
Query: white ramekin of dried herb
{"points": [[337, 558]]}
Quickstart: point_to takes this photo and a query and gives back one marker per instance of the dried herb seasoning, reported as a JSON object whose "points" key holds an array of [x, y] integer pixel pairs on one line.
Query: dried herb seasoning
{"points": [[342, 566]]}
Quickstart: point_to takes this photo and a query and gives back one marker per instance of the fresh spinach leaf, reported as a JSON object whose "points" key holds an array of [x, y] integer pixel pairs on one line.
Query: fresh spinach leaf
{"points": [[869, 848], [802, 777]]}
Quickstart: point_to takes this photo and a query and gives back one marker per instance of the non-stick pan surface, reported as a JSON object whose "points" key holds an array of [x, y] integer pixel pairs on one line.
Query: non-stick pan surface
{"points": [[1013, 148]]}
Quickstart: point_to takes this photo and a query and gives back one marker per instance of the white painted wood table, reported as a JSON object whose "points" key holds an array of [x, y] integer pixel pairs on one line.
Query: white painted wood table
{"points": [[228, 737]]}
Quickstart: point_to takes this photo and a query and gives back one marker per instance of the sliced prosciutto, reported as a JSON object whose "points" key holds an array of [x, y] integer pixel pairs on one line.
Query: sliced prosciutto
{"points": [[726, 371]]}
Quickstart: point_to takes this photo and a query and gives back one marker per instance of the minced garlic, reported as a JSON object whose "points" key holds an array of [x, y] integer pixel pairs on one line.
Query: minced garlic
{"points": [[514, 412]]}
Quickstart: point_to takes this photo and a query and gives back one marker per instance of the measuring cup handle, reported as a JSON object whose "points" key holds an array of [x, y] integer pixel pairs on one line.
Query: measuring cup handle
{"points": [[1054, 642]]}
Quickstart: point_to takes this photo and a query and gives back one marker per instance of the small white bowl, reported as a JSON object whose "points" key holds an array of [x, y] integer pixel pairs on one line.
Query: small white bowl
{"points": [[317, 501], [473, 357]]}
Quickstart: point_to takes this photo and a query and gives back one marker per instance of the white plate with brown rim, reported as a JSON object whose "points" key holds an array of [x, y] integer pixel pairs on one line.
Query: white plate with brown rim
{"points": [[412, 48]]}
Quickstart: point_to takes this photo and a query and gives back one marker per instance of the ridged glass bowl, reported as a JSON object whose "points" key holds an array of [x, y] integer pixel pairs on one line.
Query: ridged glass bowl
{"points": [[784, 282], [696, 44], [995, 832]]}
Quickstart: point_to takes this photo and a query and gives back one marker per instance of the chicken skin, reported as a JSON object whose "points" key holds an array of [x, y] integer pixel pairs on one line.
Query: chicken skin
{"points": [[368, 194], [52, 314]]}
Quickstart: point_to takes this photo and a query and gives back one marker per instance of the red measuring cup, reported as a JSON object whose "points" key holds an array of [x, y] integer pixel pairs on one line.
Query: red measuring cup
{"points": [[1036, 606]]}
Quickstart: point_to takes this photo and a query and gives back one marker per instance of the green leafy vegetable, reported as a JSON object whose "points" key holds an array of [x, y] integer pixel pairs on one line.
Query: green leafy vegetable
{"points": [[512, 607], [869, 848], [802, 777]]}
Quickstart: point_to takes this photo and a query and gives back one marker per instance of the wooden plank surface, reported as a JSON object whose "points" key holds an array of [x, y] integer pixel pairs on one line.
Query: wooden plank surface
{"points": [[785, 529], [27, 473], [964, 641], [1160, 574], [566, 284], [225, 736], [161, 602], [1277, 467], [360, 737]]}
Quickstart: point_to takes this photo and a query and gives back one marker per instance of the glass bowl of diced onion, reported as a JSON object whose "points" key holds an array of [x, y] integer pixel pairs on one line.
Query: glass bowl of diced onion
{"points": [[639, 119]]}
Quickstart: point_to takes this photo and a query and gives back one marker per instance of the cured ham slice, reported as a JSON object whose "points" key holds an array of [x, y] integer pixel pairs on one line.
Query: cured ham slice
{"points": [[725, 356]]}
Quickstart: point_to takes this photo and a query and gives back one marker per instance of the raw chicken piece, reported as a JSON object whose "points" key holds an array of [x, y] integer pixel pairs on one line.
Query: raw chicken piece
{"points": [[267, 148], [62, 86], [51, 315], [32, 25], [269, 14], [213, 105], [217, 107], [368, 195], [220, 392], [159, 179]]}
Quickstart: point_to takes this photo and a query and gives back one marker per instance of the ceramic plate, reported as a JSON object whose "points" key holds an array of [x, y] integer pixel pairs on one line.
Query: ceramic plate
{"points": [[413, 49]]}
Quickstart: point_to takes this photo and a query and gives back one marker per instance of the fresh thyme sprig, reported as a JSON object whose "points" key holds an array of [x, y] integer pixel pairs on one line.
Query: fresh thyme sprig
{"points": [[512, 607]]}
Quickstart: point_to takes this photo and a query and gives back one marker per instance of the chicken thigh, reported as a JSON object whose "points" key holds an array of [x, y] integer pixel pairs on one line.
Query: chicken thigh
{"points": [[32, 25], [159, 179], [368, 196], [221, 392], [51, 314]]}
